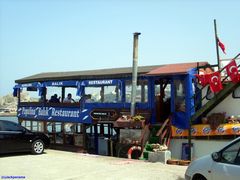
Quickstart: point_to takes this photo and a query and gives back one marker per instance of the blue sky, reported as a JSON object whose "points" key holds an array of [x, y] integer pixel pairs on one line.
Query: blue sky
{"points": [[49, 36]]}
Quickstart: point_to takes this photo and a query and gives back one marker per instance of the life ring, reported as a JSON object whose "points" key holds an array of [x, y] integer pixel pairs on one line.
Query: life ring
{"points": [[133, 148]]}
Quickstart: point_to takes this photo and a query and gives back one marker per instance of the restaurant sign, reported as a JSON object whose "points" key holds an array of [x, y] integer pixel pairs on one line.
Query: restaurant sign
{"points": [[55, 113]]}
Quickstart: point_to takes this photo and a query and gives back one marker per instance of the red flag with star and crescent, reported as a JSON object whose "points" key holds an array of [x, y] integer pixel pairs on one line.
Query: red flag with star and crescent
{"points": [[232, 71], [221, 45], [215, 82], [203, 79]]}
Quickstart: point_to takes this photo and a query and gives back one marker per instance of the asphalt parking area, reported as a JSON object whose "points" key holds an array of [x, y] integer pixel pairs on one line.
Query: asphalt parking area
{"points": [[70, 166]]}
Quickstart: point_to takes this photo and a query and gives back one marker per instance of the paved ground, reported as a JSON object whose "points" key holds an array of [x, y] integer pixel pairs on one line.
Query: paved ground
{"points": [[62, 165]]}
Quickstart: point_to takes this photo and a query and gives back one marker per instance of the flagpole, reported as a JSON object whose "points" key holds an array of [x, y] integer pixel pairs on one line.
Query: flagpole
{"points": [[216, 39]]}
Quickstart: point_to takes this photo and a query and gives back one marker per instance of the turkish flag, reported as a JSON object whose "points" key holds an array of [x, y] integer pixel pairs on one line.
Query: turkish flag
{"points": [[232, 71], [215, 82], [203, 79], [221, 45]]}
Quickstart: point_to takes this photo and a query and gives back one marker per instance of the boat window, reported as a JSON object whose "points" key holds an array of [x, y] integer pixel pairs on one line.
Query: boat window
{"points": [[37, 126], [50, 127], [95, 94], [69, 128], [73, 91], [111, 94], [50, 131], [179, 95], [59, 133], [141, 94], [51, 91], [78, 128], [29, 94], [88, 130], [26, 124], [167, 91], [104, 94]]}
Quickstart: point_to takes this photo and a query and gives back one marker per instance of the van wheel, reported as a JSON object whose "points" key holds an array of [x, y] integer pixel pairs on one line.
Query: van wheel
{"points": [[37, 147], [199, 177]]}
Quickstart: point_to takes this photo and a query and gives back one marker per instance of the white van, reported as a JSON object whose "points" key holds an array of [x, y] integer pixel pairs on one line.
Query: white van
{"points": [[221, 165]]}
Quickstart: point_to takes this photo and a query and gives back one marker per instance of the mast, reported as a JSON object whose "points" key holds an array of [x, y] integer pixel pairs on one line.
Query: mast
{"points": [[216, 39]]}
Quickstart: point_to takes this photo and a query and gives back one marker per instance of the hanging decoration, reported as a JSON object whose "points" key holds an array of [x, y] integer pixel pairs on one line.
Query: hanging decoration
{"points": [[215, 82], [232, 71]]}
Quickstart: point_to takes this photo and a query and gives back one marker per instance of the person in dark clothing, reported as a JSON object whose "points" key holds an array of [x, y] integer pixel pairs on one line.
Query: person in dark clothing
{"points": [[54, 99]]}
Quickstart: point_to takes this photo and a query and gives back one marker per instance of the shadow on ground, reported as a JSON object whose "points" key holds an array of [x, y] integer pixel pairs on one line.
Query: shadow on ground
{"points": [[19, 154]]}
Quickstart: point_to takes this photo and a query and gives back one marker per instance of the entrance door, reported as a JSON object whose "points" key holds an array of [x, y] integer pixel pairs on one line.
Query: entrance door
{"points": [[101, 139], [162, 99], [55, 132], [58, 132]]}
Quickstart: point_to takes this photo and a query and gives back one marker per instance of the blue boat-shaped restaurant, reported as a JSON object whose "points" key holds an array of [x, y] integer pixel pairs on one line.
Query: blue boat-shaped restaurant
{"points": [[85, 110]]}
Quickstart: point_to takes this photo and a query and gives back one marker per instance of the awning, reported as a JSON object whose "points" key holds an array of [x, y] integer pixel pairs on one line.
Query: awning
{"points": [[37, 85]]}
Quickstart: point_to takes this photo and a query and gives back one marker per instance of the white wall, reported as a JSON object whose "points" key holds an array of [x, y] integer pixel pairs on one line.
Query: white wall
{"points": [[200, 147], [229, 105]]}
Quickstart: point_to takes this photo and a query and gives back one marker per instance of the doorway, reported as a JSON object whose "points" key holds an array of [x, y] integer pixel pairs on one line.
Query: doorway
{"points": [[100, 139], [162, 99]]}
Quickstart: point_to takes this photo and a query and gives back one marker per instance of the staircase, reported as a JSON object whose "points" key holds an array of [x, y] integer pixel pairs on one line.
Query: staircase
{"points": [[219, 97], [229, 87]]}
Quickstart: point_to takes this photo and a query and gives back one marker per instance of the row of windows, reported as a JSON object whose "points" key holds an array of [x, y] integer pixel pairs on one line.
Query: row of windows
{"points": [[61, 132], [104, 94], [58, 132]]}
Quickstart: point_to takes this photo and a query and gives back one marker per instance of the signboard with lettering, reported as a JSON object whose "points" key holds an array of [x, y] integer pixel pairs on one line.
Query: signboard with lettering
{"points": [[61, 83], [101, 82], [105, 82], [104, 115], [55, 114], [35, 84]]}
